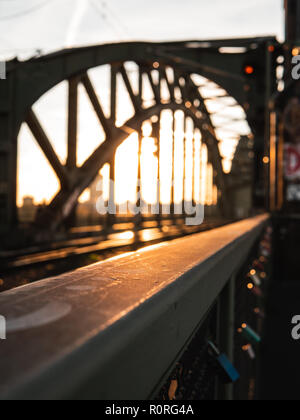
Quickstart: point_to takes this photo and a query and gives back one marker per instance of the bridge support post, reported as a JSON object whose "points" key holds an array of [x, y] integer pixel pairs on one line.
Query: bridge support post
{"points": [[226, 331], [8, 185], [8, 158]]}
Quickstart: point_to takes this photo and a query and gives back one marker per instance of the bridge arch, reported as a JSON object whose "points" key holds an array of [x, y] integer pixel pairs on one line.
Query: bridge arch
{"points": [[39, 75]]}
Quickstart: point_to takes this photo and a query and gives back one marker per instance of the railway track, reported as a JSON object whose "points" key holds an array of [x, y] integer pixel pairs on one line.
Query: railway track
{"points": [[88, 245]]}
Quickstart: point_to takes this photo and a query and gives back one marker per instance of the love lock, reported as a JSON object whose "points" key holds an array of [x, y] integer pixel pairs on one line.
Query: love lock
{"points": [[255, 278], [227, 372], [250, 351], [174, 382], [249, 334]]}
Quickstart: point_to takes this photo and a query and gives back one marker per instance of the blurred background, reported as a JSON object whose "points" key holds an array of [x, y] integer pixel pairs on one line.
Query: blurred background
{"points": [[45, 25], [37, 27]]}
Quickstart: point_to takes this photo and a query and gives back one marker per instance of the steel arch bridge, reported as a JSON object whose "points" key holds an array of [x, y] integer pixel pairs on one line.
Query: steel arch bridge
{"points": [[170, 64]]}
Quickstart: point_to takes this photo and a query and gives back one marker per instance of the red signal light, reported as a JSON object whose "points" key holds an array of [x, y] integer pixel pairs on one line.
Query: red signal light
{"points": [[249, 70]]}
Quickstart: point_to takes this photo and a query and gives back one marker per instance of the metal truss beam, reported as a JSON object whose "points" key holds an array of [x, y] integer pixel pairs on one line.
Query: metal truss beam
{"points": [[30, 80]]}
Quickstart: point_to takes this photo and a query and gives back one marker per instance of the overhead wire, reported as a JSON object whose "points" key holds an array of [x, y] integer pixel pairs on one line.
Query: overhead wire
{"points": [[116, 17], [115, 21], [106, 13], [25, 12]]}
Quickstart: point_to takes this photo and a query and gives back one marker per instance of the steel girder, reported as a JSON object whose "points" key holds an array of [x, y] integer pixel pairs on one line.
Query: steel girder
{"points": [[30, 80]]}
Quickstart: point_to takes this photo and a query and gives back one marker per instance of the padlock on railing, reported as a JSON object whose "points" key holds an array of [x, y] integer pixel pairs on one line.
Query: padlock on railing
{"points": [[249, 334], [255, 278], [250, 351], [227, 372], [265, 249], [257, 292], [260, 313], [258, 265], [175, 382]]}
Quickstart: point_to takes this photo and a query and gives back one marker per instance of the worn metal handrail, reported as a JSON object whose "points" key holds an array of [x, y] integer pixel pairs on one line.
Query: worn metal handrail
{"points": [[113, 330]]}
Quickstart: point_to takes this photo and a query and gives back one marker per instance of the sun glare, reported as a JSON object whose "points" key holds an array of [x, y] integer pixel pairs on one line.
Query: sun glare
{"points": [[173, 168], [180, 154]]}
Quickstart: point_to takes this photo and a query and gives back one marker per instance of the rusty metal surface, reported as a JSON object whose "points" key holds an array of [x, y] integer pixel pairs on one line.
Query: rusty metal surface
{"points": [[112, 330]]}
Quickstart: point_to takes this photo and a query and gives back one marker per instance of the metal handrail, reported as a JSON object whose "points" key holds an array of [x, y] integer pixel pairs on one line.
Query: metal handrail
{"points": [[113, 330]]}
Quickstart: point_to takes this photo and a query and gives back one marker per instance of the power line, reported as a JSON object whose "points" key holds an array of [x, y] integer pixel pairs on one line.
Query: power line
{"points": [[25, 12], [115, 16], [117, 24], [105, 18]]}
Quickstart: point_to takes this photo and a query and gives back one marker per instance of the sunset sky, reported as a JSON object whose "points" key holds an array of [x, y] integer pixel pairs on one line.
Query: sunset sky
{"points": [[47, 25], [57, 23]]}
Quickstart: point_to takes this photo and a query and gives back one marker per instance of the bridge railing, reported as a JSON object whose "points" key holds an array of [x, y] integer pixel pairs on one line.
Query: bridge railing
{"points": [[115, 330]]}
